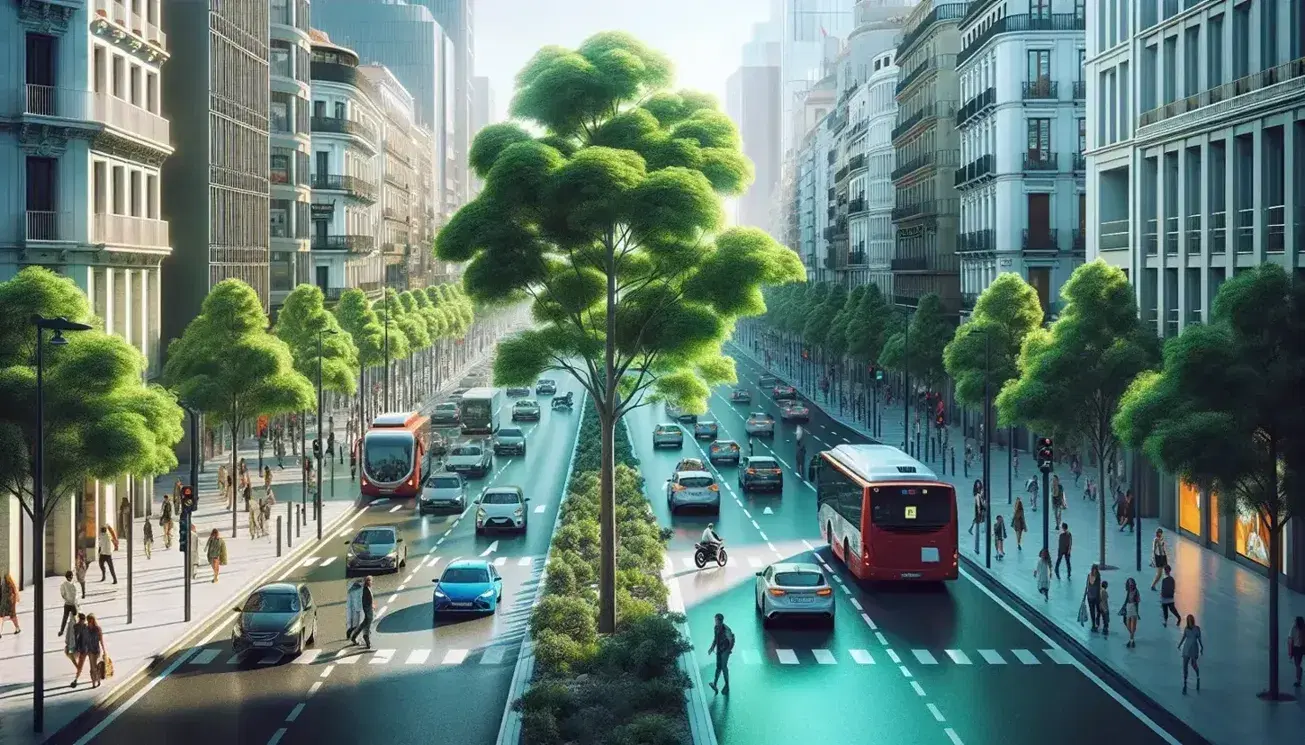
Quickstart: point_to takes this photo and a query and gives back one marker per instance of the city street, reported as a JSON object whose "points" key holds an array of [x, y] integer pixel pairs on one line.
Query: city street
{"points": [[416, 680], [901, 664]]}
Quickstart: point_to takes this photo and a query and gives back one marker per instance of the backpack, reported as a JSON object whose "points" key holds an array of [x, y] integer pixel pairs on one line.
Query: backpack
{"points": [[729, 641]]}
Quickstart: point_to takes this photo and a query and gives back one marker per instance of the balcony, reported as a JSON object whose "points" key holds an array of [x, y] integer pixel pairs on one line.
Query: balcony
{"points": [[1151, 237], [48, 226], [352, 243], [856, 163], [857, 257], [948, 12], [976, 106], [135, 23], [976, 241], [1080, 163], [351, 185], [1113, 236], [1041, 162], [1080, 241], [840, 174], [928, 65], [1282, 73], [980, 168], [342, 126], [1041, 89], [912, 165], [856, 206], [123, 230], [969, 300], [1041, 239], [1018, 23], [1171, 236], [1080, 90], [915, 264], [130, 118], [911, 120], [339, 72]]}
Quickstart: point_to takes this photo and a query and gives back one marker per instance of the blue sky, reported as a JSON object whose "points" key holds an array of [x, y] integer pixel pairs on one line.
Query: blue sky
{"points": [[703, 37]]}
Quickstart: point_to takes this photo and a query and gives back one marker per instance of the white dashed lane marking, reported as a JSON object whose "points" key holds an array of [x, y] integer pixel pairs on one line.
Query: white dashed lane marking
{"points": [[991, 657], [786, 656], [1025, 656], [327, 561]]}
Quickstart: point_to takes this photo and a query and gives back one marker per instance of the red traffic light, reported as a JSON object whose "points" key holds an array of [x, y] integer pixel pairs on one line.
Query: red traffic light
{"points": [[187, 498], [1044, 442]]}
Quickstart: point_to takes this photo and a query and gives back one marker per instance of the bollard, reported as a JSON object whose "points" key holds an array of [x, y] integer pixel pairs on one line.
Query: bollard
{"points": [[278, 536], [299, 524], [954, 462], [289, 521]]}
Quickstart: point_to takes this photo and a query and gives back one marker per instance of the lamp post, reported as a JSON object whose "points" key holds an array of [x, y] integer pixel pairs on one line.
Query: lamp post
{"points": [[987, 443], [58, 326], [386, 299], [317, 498]]}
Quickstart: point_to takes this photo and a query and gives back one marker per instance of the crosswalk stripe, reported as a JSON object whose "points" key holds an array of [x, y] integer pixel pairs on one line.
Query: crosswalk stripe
{"points": [[959, 657], [417, 657], [751, 657], [205, 657], [924, 656], [824, 656], [346, 659], [311, 560], [1059, 656], [493, 656], [540, 508], [454, 657], [326, 561], [754, 562], [500, 561], [308, 657], [786, 656], [862, 657], [991, 657], [1025, 656], [525, 561], [382, 656]]}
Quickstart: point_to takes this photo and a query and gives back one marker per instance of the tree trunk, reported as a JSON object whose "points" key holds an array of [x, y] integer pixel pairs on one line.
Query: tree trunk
{"points": [[1101, 507], [1275, 568], [607, 481]]}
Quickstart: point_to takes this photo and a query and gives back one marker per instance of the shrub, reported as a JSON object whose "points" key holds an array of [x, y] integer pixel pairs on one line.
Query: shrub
{"points": [[557, 654], [561, 579], [567, 615], [649, 729]]}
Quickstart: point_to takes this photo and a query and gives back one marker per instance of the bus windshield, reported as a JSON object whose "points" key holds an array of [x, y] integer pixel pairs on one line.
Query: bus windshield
{"points": [[911, 507], [475, 410], [387, 456]]}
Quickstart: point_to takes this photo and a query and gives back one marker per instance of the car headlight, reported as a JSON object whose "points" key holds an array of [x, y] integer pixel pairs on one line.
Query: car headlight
{"points": [[480, 513], [294, 628], [518, 512], [440, 594], [488, 593]]}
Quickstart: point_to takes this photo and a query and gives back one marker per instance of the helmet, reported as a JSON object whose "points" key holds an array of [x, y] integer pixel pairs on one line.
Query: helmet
{"points": [[711, 526]]}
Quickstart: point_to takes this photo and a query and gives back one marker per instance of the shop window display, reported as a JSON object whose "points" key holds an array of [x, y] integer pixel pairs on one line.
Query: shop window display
{"points": [[1189, 507], [1252, 538]]}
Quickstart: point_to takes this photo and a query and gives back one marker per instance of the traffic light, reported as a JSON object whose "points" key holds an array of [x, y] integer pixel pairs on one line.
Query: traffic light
{"points": [[187, 499], [317, 448], [879, 374], [1046, 454]]}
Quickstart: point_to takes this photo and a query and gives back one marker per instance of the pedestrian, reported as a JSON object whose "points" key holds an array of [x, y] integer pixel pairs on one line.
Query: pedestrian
{"points": [[1042, 572], [176, 496], [1031, 486], [1015, 462], [9, 598], [1064, 544], [353, 464], [1092, 596], [364, 627], [280, 453], [265, 511], [1076, 468], [353, 610], [107, 544], [223, 481], [72, 648], [1167, 588], [1117, 506], [978, 505], [216, 552], [1104, 605], [999, 535], [1159, 556], [267, 478], [1192, 647], [1018, 524], [147, 538], [93, 648], [1058, 497], [1129, 610], [68, 592], [1127, 509], [1296, 646], [80, 569], [722, 643]]}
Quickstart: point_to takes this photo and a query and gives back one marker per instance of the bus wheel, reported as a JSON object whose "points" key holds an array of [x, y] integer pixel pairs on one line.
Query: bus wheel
{"points": [[829, 535], [847, 554]]}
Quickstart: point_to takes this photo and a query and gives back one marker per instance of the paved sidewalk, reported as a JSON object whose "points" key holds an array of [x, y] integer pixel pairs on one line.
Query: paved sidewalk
{"points": [[1230, 602]]}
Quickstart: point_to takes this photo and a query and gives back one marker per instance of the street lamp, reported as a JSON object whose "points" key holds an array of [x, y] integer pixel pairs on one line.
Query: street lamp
{"points": [[987, 443], [386, 299], [58, 326], [317, 451]]}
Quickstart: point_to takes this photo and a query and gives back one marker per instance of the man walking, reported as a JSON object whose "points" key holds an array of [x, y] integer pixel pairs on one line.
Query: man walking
{"points": [[106, 544], [1167, 587], [68, 591], [364, 629], [1063, 546], [722, 643]]}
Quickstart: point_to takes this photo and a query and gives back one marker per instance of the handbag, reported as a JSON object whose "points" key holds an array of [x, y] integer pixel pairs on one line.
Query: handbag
{"points": [[1083, 610], [106, 666]]}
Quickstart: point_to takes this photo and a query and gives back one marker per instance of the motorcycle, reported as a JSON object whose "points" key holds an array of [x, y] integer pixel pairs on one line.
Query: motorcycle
{"points": [[705, 552], [564, 402]]}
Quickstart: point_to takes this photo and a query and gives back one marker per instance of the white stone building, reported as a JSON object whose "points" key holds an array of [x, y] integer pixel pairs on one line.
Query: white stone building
{"points": [[290, 133], [875, 185]]}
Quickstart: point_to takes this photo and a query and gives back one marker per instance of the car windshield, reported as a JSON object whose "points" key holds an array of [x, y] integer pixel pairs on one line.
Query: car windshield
{"points": [[545, 381], [387, 457], [706, 425], [526, 404], [465, 575], [690, 464], [502, 497], [696, 482], [443, 482], [761, 417], [272, 602], [799, 579], [762, 463], [465, 450], [667, 429], [509, 432], [446, 407], [724, 445], [375, 536]]}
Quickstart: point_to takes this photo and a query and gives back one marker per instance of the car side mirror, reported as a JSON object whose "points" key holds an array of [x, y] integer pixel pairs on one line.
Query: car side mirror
{"points": [[348, 543], [237, 610], [527, 499], [759, 574], [400, 540]]}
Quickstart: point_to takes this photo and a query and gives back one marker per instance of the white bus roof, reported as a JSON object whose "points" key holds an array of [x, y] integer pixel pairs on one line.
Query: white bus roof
{"points": [[881, 463], [392, 419], [480, 393]]}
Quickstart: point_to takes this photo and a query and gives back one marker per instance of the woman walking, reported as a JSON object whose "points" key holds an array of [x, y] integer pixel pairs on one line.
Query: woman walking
{"points": [[93, 649], [79, 569], [224, 484], [147, 538], [9, 603], [1296, 646], [165, 522], [999, 536], [353, 610], [267, 478], [1018, 524], [1043, 573], [978, 505], [1058, 498], [1092, 594], [1159, 557], [216, 551], [72, 646], [1129, 610], [254, 512], [1191, 646]]}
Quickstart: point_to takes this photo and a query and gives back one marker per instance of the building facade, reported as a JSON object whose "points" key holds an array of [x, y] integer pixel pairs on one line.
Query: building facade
{"points": [[482, 115], [814, 179], [400, 166], [289, 130], [1196, 137], [874, 185], [345, 170], [458, 20], [82, 142], [752, 101], [1023, 124]]}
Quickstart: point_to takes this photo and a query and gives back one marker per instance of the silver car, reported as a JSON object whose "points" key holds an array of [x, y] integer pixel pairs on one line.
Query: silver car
{"points": [[509, 440], [668, 436], [501, 507], [469, 458], [760, 424], [794, 589], [376, 547], [442, 490], [692, 489]]}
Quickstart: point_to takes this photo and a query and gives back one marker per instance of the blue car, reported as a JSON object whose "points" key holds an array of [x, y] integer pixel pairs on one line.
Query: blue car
{"points": [[468, 586]]}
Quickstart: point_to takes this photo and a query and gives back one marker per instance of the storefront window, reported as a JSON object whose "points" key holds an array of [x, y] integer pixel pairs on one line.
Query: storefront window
{"points": [[1214, 516], [1189, 507], [1252, 539]]}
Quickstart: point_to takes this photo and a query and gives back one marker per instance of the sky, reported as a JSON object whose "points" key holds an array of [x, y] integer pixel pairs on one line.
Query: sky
{"points": [[704, 38]]}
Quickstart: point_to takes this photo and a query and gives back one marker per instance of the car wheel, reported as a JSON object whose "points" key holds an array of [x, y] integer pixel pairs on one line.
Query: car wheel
{"points": [[523, 451], [403, 563], [312, 638]]}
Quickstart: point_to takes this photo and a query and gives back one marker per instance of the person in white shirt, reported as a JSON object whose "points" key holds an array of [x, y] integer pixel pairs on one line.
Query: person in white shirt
{"points": [[107, 543], [68, 591], [709, 537]]}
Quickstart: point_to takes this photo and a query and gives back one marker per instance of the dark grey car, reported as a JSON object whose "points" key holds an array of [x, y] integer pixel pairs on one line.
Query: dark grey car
{"points": [[378, 547], [280, 617]]}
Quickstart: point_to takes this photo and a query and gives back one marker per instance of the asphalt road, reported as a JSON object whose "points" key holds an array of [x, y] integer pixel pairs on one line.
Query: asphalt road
{"points": [[901, 664], [419, 682]]}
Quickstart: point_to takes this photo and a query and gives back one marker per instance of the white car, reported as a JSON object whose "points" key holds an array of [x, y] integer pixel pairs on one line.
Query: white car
{"points": [[502, 508], [760, 424], [442, 489], [794, 589], [692, 489]]}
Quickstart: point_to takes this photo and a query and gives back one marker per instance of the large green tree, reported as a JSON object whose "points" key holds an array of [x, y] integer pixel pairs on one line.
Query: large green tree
{"points": [[1227, 410], [611, 224], [228, 366], [101, 420], [355, 315], [302, 319], [918, 347], [869, 327], [986, 348], [1073, 376]]}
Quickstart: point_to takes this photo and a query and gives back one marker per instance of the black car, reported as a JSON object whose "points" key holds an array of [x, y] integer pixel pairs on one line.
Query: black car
{"points": [[518, 391], [445, 413], [760, 472], [546, 387], [280, 616]]}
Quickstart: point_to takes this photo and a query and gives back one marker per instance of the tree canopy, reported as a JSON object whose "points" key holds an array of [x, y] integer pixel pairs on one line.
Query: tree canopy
{"points": [[988, 344], [869, 327], [929, 332], [101, 420], [302, 318], [355, 315]]}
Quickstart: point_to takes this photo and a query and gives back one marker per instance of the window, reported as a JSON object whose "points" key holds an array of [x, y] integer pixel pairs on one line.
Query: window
{"points": [[1080, 9], [279, 112], [1039, 139], [279, 59], [1082, 136], [1040, 9], [339, 110], [1189, 507], [280, 172]]}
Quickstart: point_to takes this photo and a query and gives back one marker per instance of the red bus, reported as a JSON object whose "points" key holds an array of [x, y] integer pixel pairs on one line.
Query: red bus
{"points": [[393, 451], [886, 514]]}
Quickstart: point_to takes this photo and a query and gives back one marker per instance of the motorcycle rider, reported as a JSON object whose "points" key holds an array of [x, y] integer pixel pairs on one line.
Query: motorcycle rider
{"points": [[711, 540]]}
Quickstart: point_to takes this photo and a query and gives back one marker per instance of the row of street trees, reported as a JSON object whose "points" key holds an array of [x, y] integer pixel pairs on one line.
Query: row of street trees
{"points": [[1223, 407]]}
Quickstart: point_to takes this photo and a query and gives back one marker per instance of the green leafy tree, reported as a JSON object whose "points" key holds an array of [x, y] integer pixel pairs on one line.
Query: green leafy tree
{"points": [[612, 227], [229, 367], [986, 348], [1073, 376], [820, 321], [302, 318], [836, 339], [920, 346], [355, 315], [1226, 410], [867, 326], [101, 420]]}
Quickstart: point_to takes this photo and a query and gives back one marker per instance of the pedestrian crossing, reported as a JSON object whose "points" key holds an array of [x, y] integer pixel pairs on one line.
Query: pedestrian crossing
{"points": [[917, 657], [430, 561], [490, 656]]}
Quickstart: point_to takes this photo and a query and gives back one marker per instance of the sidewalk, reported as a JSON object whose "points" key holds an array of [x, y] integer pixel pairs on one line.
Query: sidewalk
{"points": [[1230, 603]]}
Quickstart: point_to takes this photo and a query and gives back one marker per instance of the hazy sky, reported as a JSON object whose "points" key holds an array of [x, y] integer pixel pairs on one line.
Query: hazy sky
{"points": [[703, 37]]}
